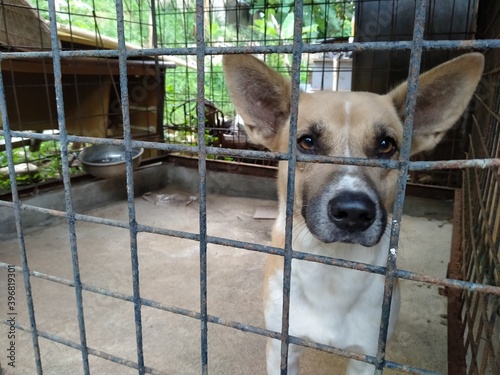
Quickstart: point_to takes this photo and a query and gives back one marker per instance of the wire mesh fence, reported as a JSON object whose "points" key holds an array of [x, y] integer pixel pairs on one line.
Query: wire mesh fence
{"points": [[481, 221], [165, 92]]}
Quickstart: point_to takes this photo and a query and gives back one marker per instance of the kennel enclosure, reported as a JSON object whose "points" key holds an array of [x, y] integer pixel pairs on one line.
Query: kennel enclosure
{"points": [[130, 91]]}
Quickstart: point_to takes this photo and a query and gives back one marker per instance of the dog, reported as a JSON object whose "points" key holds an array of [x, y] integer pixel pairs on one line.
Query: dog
{"points": [[340, 211]]}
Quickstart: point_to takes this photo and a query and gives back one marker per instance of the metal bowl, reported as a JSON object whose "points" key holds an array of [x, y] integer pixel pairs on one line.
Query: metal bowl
{"points": [[108, 161]]}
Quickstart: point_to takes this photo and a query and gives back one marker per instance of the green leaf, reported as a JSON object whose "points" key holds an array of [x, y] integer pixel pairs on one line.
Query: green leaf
{"points": [[287, 27]]}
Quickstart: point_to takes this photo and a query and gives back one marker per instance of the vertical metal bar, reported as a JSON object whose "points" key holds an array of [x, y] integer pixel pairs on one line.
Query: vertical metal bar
{"points": [[63, 136], [413, 80], [19, 223], [127, 138], [202, 171], [292, 152]]}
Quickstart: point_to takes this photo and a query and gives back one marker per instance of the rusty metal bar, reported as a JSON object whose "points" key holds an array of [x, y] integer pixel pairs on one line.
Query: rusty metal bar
{"points": [[70, 214], [268, 155], [127, 136], [211, 319], [456, 350], [94, 352], [16, 205], [290, 192], [202, 172], [417, 45], [402, 274], [411, 100], [479, 44]]}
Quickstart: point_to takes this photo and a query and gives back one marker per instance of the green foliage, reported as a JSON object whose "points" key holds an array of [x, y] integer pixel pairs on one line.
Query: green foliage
{"points": [[273, 23], [47, 159], [100, 16], [321, 19]]}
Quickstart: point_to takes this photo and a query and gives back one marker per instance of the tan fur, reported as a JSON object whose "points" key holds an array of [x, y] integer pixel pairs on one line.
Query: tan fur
{"points": [[340, 210]]}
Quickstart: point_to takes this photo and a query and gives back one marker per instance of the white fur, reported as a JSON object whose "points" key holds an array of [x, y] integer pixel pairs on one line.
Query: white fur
{"points": [[345, 129], [330, 305]]}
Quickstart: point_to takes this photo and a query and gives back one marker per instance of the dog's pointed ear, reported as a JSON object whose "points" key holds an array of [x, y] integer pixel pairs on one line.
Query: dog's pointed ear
{"points": [[442, 97], [261, 97]]}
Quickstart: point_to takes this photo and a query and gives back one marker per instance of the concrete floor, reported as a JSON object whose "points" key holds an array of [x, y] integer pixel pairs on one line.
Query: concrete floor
{"points": [[169, 273]]}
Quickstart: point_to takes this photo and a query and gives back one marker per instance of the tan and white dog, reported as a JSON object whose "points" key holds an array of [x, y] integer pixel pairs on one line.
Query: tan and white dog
{"points": [[340, 211]]}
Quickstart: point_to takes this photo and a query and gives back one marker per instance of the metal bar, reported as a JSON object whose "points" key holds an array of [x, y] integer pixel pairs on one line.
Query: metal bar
{"points": [[212, 319], [264, 249], [16, 205], [235, 325], [122, 61], [276, 156], [94, 352], [391, 272], [202, 172], [290, 192], [177, 310], [413, 80], [67, 182], [479, 44], [454, 164], [402, 274], [456, 350]]}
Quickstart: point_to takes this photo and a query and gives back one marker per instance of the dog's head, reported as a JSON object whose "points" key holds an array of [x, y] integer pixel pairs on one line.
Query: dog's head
{"points": [[346, 203]]}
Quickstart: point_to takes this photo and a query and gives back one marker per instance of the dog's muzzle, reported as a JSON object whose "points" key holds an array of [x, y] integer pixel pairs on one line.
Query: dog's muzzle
{"points": [[346, 216]]}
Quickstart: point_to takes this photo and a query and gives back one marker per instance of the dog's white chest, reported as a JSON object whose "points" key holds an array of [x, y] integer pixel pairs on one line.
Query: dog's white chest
{"points": [[332, 305]]}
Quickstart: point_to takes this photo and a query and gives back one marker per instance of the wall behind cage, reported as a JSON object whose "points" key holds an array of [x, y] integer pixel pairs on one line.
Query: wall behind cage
{"points": [[379, 71]]}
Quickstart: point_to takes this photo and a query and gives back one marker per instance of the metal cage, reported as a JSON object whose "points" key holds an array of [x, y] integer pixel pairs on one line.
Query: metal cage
{"points": [[477, 281]]}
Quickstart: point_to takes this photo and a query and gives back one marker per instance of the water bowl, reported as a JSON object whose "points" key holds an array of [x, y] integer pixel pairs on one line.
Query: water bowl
{"points": [[107, 161]]}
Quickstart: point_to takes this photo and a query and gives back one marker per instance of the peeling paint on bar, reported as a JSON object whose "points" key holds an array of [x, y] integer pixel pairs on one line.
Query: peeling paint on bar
{"points": [[202, 188], [402, 274], [480, 44], [413, 81], [268, 155], [211, 319], [127, 136], [63, 134], [290, 191], [16, 205], [95, 352], [391, 272]]}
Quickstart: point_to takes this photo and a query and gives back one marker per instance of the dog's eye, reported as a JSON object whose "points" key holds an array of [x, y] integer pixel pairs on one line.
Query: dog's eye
{"points": [[306, 143], [386, 148]]}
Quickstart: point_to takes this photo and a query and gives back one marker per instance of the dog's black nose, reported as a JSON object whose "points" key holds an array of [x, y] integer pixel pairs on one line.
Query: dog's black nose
{"points": [[353, 212]]}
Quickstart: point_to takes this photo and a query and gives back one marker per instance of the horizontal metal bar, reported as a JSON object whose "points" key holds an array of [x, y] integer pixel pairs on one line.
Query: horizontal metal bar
{"points": [[95, 352], [454, 164], [390, 164], [402, 274], [231, 324], [360, 357], [276, 156], [152, 304], [399, 273], [194, 315], [16, 203], [450, 283], [480, 44], [409, 369], [168, 147], [99, 220]]}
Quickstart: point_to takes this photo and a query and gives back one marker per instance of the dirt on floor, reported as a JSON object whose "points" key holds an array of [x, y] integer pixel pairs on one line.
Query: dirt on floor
{"points": [[169, 274]]}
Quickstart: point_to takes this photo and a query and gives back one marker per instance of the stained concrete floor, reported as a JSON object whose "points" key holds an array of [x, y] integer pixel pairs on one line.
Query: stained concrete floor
{"points": [[169, 274]]}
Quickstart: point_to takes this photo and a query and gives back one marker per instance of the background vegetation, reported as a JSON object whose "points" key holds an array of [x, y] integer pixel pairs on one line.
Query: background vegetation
{"points": [[266, 22]]}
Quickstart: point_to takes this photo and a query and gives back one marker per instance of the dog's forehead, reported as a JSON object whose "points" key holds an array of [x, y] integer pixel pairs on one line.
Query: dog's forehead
{"points": [[357, 111]]}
